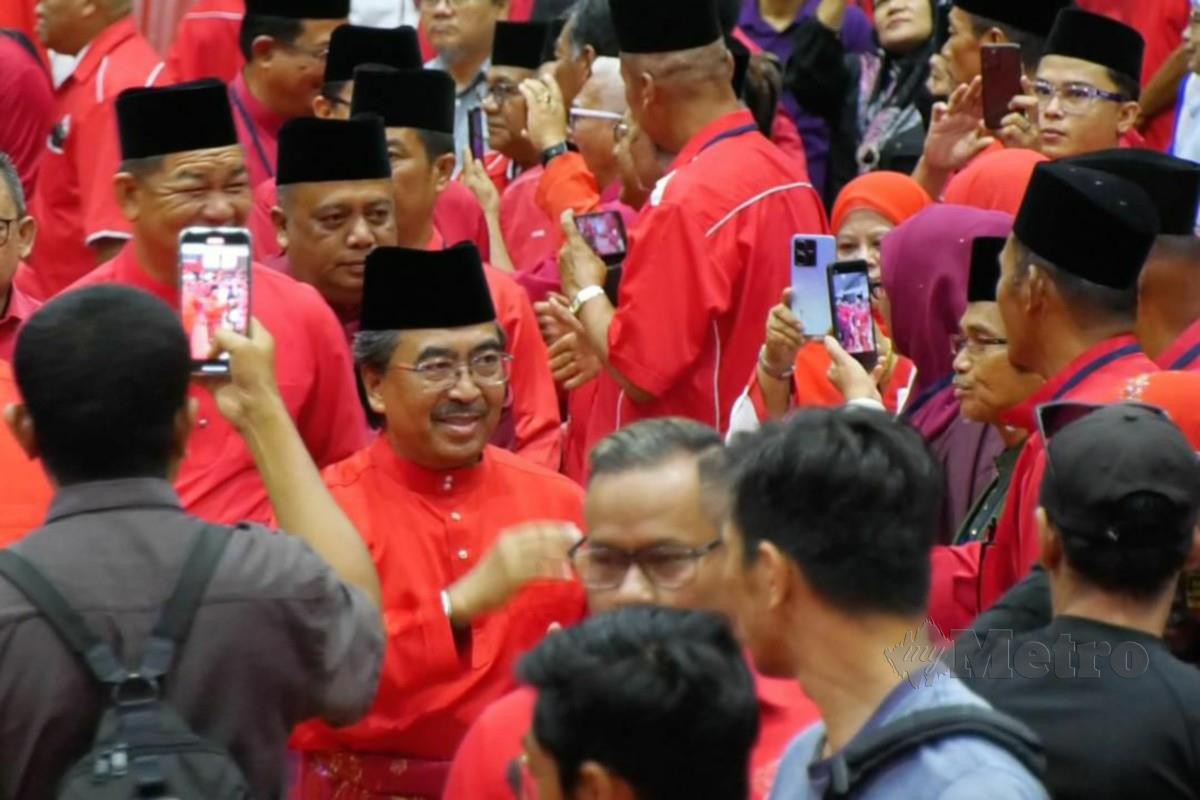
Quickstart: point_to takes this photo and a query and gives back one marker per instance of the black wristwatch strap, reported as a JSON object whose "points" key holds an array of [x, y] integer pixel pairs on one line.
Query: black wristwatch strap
{"points": [[551, 153]]}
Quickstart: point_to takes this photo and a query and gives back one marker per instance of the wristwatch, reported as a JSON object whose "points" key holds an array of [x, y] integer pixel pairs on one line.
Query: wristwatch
{"points": [[586, 294], [553, 152]]}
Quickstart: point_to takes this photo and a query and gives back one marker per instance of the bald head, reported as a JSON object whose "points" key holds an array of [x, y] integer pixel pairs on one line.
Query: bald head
{"points": [[1168, 292], [605, 90], [685, 73]]}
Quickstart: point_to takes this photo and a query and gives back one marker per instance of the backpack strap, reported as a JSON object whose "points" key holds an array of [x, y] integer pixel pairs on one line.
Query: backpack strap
{"points": [[875, 750], [70, 626], [176, 620]]}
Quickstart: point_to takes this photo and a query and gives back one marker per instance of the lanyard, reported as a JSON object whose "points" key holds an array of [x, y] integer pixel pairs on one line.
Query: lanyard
{"points": [[730, 134], [1094, 366], [1185, 360], [253, 131], [927, 395]]}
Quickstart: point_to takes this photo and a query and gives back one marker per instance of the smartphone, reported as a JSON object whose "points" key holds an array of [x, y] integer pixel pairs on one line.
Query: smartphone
{"points": [[1001, 81], [850, 295], [811, 259], [214, 290], [476, 131], [604, 232]]}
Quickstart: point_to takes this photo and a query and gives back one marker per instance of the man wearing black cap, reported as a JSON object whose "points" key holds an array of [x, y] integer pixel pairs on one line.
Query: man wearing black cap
{"points": [[285, 44], [334, 211], [1068, 295], [183, 167], [716, 237], [975, 23], [472, 582], [1115, 710], [417, 107]]}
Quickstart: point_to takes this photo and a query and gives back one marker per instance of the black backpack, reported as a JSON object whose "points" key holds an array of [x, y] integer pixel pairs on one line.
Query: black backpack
{"points": [[876, 750], [142, 747]]}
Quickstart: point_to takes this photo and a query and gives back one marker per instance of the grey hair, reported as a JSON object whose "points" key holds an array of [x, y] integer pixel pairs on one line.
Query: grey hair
{"points": [[373, 349], [1084, 298], [13, 181], [651, 443]]}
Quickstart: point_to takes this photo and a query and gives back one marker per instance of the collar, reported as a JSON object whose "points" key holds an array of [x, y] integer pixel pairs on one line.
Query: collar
{"points": [[128, 270], [442, 483], [20, 305], [719, 127], [439, 64], [1184, 351], [98, 49], [99, 496], [263, 118]]}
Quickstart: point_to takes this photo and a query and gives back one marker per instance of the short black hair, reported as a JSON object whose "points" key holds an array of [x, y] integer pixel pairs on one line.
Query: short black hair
{"points": [[661, 697], [285, 30], [728, 12], [1126, 84], [650, 443], [1089, 300], [1033, 46], [852, 496], [594, 27], [1156, 538], [104, 372], [436, 143]]}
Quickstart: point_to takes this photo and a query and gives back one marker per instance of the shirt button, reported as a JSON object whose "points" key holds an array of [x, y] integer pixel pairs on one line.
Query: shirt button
{"points": [[203, 422], [454, 515], [463, 555], [448, 484]]}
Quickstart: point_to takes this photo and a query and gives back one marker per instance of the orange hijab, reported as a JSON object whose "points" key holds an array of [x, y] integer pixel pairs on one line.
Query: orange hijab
{"points": [[994, 181]]}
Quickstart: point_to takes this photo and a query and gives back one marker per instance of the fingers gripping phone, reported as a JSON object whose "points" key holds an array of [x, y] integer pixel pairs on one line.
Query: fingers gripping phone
{"points": [[214, 290], [811, 259], [1001, 69], [476, 133], [850, 294], [604, 232]]}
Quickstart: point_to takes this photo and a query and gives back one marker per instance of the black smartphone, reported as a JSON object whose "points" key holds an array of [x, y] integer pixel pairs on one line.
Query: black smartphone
{"points": [[1001, 69], [604, 232], [850, 298], [214, 290], [476, 130]]}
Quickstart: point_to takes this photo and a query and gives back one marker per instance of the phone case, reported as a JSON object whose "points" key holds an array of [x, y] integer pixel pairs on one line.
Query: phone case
{"points": [[1001, 70], [811, 257]]}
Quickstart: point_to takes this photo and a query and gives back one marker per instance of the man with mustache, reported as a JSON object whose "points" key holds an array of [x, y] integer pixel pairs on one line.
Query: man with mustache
{"points": [[470, 577]]}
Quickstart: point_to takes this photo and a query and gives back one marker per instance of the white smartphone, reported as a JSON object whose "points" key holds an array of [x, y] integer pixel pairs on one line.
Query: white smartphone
{"points": [[811, 258], [214, 289]]}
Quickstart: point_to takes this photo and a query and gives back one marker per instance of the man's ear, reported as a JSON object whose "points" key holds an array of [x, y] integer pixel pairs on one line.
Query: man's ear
{"points": [[443, 171], [20, 424], [263, 48], [128, 191], [279, 220], [597, 783], [777, 574], [26, 233], [373, 384], [1193, 562], [322, 108], [992, 36], [1128, 117], [1051, 544], [1035, 289], [185, 421]]}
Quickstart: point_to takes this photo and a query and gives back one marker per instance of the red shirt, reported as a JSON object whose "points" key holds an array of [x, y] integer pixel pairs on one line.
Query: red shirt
{"points": [[480, 766], [206, 42], [24, 84], [1184, 353], [425, 530], [258, 131], [24, 493], [75, 203], [218, 480], [20, 308], [966, 580], [716, 238], [531, 236]]}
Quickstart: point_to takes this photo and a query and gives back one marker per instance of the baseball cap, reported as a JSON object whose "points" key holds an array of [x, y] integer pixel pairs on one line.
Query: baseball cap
{"points": [[1096, 456]]}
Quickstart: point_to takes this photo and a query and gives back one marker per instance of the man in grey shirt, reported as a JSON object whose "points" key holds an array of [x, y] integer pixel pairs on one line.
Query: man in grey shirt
{"points": [[832, 521], [288, 629]]}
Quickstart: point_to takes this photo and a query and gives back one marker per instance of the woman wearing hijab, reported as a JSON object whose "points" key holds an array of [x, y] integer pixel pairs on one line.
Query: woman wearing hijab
{"points": [[792, 374], [876, 104], [994, 181]]}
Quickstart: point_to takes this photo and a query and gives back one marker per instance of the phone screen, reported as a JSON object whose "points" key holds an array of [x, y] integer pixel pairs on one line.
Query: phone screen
{"points": [[1001, 69], [851, 291], [811, 257], [605, 234], [214, 289], [475, 131]]}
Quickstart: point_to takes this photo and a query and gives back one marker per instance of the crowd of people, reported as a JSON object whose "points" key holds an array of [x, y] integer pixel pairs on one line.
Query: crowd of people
{"points": [[495, 460]]}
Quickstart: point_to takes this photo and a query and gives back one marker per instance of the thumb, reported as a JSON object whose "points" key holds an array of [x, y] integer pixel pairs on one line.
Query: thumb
{"points": [[836, 351], [570, 232]]}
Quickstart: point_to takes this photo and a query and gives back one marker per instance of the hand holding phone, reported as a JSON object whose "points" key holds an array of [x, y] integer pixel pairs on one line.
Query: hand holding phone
{"points": [[850, 292], [214, 291], [604, 231], [476, 133], [1001, 70]]}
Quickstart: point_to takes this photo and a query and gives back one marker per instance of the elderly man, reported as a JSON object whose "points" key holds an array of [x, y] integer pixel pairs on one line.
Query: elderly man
{"points": [[717, 238], [82, 225], [183, 167], [417, 107], [285, 44], [18, 231], [474, 580]]}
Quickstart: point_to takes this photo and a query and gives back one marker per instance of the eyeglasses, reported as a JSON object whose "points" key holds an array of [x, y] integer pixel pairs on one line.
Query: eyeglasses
{"points": [[621, 131], [454, 4], [974, 345], [1074, 98], [576, 114], [316, 55], [667, 566], [6, 229], [502, 92], [486, 369]]}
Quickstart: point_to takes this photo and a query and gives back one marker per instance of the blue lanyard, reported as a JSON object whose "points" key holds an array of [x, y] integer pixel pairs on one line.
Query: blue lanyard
{"points": [[1185, 360], [253, 131], [730, 134], [1094, 366]]}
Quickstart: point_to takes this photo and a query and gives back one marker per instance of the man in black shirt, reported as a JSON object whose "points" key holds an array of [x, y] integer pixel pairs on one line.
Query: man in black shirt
{"points": [[1118, 714]]}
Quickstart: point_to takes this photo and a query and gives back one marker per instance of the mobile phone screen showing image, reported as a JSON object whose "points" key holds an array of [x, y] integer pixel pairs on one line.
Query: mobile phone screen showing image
{"points": [[475, 131], [852, 311], [214, 293], [605, 234]]}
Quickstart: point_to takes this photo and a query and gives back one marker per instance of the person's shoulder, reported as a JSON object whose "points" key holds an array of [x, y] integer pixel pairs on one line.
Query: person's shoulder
{"points": [[517, 469], [348, 472], [281, 290], [792, 777], [260, 564], [105, 273]]}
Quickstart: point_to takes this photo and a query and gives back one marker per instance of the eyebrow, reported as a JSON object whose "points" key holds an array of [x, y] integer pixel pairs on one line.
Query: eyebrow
{"points": [[488, 346]]}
